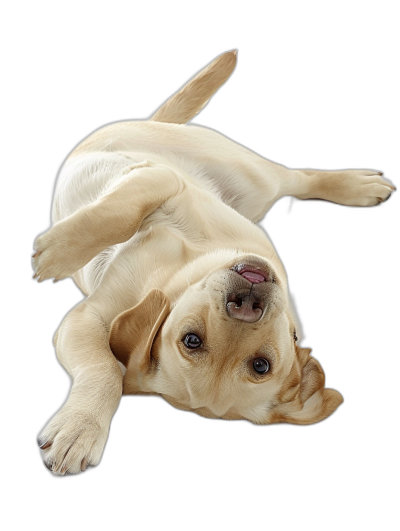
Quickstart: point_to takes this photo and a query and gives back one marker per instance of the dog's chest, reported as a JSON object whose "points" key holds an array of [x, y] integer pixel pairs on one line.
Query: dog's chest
{"points": [[162, 246], [175, 222]]}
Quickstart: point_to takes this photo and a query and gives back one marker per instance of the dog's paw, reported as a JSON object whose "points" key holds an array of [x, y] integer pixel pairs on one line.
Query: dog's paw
{"points": [[356, 187], [60, 252], [71, 441]]}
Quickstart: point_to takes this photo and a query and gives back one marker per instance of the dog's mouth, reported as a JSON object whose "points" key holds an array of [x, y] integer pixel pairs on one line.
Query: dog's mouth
{"points": [[249, 299], [253, 274]]}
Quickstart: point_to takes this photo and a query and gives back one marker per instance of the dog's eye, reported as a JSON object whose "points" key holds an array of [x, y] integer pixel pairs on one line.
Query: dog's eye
{"points": [[261, 365], [192, 341]]}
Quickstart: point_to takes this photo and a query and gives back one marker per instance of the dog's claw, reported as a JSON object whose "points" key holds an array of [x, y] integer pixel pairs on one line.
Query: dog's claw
{"points": [[35, 275], [45, 445], [49, 466], [382, 201], [84, 464]]}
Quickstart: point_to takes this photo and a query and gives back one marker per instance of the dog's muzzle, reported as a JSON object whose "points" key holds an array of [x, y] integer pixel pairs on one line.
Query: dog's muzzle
{"points": [[246, 307], [248, 299]]}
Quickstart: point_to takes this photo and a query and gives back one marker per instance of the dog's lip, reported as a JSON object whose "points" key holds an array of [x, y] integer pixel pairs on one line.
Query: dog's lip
{"points": [[255, 275]]}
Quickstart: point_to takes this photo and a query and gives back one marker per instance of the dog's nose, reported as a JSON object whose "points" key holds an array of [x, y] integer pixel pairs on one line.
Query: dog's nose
{"points": [[246, 308]]}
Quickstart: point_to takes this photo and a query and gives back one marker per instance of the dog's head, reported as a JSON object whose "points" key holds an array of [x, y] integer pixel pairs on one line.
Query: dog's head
{"points": [[220, 339]]}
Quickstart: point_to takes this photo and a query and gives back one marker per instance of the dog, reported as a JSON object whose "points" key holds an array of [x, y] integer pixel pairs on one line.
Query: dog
{"points": [[186, 297]]}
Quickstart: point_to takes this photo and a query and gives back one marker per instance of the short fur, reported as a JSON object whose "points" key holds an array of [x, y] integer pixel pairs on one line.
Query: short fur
{"points": [[155, 222]]}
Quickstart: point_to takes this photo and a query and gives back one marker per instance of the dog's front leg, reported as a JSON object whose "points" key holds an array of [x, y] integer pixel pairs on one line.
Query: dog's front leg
{"points": [[113, 218], [76, 435]]}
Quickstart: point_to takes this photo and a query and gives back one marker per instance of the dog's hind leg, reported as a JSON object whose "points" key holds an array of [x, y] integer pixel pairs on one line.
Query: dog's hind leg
{"points": [[346, 187], [252, 184], [113, 218]]}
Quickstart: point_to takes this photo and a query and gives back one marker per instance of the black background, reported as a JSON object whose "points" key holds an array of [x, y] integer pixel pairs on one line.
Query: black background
{"points": [[317, 96]]}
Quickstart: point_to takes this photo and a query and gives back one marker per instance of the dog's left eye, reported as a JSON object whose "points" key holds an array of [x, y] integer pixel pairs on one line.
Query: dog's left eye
{"points": [[192, 341]]}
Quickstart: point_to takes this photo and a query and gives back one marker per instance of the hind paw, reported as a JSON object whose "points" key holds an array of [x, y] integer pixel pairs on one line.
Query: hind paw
{"points": [[348, 187]]}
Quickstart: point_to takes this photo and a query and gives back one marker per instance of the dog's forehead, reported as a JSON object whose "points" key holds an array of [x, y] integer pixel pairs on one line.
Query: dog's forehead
{"points": [[220, 382]]}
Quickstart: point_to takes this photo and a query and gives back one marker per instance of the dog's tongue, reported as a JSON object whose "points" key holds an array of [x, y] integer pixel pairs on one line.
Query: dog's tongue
{"points": [[255, 278]]}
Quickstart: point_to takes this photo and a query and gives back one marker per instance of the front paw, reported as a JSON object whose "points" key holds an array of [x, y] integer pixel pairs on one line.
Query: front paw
{"points": [[60, 252], [72, 440]]}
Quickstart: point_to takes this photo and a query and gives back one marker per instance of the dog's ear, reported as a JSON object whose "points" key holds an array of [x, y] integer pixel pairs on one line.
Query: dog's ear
{"points": [[133, 331], [304, 399]]}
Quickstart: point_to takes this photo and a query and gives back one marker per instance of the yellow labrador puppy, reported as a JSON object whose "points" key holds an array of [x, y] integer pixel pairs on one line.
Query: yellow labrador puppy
{"points": [[186, 297]]}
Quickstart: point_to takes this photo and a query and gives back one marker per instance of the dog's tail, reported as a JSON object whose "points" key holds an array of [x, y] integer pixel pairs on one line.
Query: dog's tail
{"points": [[188, 101]]}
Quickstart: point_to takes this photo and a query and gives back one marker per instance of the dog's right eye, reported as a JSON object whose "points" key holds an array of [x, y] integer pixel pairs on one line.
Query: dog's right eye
{"points": [[192, 341], [261, 365]]}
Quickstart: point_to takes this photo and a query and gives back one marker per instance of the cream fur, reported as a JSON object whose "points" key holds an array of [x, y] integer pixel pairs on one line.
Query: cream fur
{"points": [[149, 218]]}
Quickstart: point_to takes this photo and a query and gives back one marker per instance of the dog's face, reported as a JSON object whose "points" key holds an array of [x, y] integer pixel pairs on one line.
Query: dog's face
{"points": [[226, 347]]}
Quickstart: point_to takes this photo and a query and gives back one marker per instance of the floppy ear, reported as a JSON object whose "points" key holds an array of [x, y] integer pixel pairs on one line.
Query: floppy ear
{"points": [[304, 399], [133, 331]]}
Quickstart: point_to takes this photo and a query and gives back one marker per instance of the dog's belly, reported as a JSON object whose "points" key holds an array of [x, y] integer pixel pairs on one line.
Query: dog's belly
{"points": [[229, 171]]}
